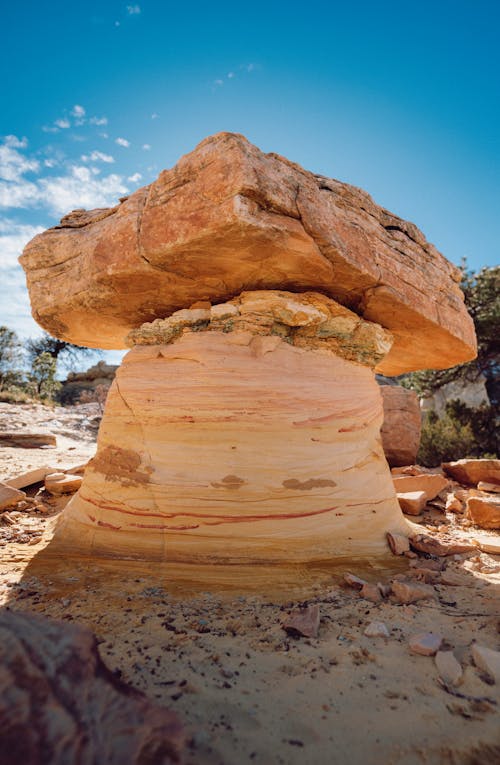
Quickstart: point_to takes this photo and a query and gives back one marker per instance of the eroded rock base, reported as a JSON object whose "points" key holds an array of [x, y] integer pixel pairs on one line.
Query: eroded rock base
{"points": [[236, 441]]}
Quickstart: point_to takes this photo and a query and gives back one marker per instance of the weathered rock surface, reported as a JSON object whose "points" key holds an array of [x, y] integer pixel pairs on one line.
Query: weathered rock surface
{"points": [[425, 643], [412, 502], [402, 425], [303, 622], [229, 218], [9, 496], [242, 438], [449, 668], [484, 511], [470, 471], [62, 483], [487, 659], [431, 484], [26, 440], [60, 704]]}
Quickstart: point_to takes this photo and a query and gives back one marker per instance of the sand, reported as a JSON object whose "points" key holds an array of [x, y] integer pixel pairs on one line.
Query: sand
{"points": [[210, 645]]}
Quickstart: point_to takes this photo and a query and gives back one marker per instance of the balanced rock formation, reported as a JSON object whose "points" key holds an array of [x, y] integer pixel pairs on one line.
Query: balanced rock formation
{"points": [[229, 218], [245, 432], [60, 704], [258, 300]]}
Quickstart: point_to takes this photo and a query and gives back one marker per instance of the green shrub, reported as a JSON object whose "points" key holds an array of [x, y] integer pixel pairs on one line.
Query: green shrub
{"points": [[460, 432]]}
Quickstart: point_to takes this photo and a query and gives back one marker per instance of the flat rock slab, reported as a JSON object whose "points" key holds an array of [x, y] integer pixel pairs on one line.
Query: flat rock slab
{"points": [[429, 483], [57, 697], [229, 218], [472, 471], [9, 496], [484, 511], [27, 440]]}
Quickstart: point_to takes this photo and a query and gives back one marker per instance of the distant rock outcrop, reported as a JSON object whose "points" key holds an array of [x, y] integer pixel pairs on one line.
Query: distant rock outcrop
{"points": [[402, 425]]}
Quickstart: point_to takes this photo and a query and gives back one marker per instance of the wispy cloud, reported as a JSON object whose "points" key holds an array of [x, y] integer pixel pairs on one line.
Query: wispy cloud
{"points": [[135, 178], [13, 237], [97, 156], [62, 124], [123, 142], [78, 111], [98, 121], [146, 146], [133, 10], [13, 164]]}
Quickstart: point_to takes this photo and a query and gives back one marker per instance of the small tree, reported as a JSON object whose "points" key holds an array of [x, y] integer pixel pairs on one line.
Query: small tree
{"points": [[10, 359], [58, 349], [42, 376]]}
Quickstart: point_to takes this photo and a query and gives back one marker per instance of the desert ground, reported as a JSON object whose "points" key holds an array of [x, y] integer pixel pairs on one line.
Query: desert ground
{"points": [[211, 645]]}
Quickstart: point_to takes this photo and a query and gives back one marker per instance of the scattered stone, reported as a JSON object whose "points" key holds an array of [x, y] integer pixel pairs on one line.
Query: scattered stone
{"points": [[400, 430], [9, 497], [398, 543], [60, 703], [431, 564], [434, 546], [62, 483], [487, 660], [493, 488], [30, 477], [354, 581], [412, 502], [487, 544], [430, 483], [384, 589], [473, 471], [453, 503], [425, 643], [303, 622], [449, 669], [410, 592], [454, 579], [376, 629], [484, 512], [26, 440], [371, 592]]}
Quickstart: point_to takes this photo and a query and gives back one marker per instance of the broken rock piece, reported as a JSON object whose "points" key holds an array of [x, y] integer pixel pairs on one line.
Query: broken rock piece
{"points": [[412, 502], [435, 546], [425, 643], [470, 471], [487, 659], [398, 543], [431, 484], [494, 488], [376, 629], [27, 440], [484, 511], [449, 669], [410, 592], [62, 483], [401, 428], [9, 497], [303, 622]]}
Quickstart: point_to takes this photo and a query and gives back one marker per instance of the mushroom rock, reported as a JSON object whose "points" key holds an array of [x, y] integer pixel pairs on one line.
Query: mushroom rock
{"points": [[244, 432], [258, 300], [229, 218]]}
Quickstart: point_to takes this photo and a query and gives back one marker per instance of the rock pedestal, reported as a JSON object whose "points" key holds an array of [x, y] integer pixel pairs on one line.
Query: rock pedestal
{"points": [[245, 436]]}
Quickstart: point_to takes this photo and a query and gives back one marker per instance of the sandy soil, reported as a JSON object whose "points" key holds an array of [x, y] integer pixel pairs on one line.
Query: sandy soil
{"points": [[213, 648]]}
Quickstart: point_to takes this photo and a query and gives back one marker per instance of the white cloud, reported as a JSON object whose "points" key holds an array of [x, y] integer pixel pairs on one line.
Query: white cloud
{"points": [[123, 142], [146, 146], [80, 188], [78, 111], [97, 156], [133, 10], [50, 162], [13, 164], [135, 178], [104, 135], [15, 143], [50, 129], [98, 120], [13, 237], [62, 124], [230, 75]]}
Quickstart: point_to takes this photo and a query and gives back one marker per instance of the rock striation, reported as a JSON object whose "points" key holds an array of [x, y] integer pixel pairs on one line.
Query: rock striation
{"points": [[60, 704], [248, 432], [229, 218]]}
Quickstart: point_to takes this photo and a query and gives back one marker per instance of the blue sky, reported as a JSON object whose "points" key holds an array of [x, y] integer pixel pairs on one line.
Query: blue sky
{"points": [[402, 99]]}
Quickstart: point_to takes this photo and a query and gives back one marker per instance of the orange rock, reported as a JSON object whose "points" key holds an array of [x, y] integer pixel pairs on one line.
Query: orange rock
{"points": [[425, 643], [412, 502], [303, 622], [228, 217], [400, 430], [472, 471], [429, 483], [484, 511], [62, 483], [9, 496], [398, 543], [410, 592]]}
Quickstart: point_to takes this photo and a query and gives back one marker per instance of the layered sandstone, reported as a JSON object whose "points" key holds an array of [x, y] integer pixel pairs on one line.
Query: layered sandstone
{"points": [[229, 218], [244, 432]]}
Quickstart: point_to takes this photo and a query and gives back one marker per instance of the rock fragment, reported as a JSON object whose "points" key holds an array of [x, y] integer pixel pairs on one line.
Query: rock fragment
{"points": [[425, 643], [303, 622], [488, 544], [27, 440], [471, 471], [354, 581], [410, 592], [376, 629], [371, 592], [429, 483], [435, 546], [449, 668], [453, 503], [494, 488], [484, 512], [400, 430], [487, 659], [62, 483], [9, 497], [412, 502], [398, 543]]}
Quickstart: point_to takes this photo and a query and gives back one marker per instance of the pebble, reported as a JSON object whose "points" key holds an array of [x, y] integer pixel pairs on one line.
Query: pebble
{"points": [[425, 643], [450, 670], [376, 629], [410, 592], [487, 659], [303, 622]]}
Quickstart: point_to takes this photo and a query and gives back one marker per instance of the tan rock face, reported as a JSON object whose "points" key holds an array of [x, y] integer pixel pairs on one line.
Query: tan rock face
{"points": [[402, 425], [229, 218], [484, 511], [226, 444], [473, 471]]}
